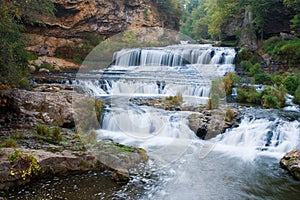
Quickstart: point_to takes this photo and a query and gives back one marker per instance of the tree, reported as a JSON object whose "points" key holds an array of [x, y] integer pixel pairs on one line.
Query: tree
{"points": [[294, 4], [13, 56]]}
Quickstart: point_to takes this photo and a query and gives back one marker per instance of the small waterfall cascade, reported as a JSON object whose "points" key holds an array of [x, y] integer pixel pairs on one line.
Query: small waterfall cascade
{"points": [[263, 135], [176, 55], [186, 69]]}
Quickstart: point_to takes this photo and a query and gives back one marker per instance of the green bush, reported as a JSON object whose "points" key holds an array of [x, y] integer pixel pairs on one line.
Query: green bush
{"points": [[278, 80], [291, 84], [246, 65], [263, 78], [270, 101], [248, 95], [296, 99], [52, 135], [271, 43], [229, 81], [273, 97], [284, 51], [254, 69], [56, 133]]}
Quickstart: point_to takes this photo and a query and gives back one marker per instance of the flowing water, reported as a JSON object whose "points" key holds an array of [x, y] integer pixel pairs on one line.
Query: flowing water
{"points": [[242, 163]]}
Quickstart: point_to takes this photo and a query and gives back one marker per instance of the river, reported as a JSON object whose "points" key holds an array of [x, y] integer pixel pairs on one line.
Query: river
{"points": [[242, 163]]}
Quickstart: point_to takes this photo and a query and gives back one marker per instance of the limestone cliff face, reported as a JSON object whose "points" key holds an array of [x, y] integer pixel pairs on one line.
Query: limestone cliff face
{"points": [[73, 18], [107, 17]]}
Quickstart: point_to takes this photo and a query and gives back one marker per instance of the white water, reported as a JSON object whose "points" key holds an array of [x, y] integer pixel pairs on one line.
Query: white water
{"points": [[230, 166]]}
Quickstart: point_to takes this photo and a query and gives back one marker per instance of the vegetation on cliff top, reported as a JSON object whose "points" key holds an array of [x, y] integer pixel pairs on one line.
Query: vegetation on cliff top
{"points": [[13, 56], [207, 18]]}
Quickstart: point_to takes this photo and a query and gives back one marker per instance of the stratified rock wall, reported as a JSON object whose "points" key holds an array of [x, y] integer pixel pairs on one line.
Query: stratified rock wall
{"points": [[77, 18]]}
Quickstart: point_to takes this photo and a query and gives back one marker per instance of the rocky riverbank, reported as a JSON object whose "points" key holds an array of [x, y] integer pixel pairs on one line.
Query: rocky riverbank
{"points": [[38, 137], [291, 162]]}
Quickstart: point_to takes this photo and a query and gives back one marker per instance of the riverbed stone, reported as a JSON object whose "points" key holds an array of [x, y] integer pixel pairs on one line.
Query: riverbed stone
{"points": [[291, 162]]}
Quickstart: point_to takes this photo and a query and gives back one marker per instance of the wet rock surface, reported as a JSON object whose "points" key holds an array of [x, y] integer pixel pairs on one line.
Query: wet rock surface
{"points": [[291, 162], [203, 122], [41, 123]]}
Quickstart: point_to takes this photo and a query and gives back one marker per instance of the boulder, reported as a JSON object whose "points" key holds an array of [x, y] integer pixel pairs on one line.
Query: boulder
{"points": [[52, 106], [50, 164], [291, 162]]}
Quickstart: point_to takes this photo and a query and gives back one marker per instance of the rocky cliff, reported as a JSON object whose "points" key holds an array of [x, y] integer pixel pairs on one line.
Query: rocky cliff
{"points": [[241, 26], [82, 18]]}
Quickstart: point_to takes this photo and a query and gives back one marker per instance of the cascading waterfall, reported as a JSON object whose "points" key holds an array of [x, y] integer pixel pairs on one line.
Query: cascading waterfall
{"points": [[165, 135], [185, 69], [263, 136], [176, 55]]}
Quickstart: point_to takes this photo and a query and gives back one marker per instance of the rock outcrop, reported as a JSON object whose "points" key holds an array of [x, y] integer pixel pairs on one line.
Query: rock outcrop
{"points": [[291, 162], [277, 21], [92, 20], [106, 155], [50, 105]]}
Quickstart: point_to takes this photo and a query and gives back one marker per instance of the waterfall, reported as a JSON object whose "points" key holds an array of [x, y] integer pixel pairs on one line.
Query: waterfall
{"points": [[271, 136], [176, 55], [187, 69]]}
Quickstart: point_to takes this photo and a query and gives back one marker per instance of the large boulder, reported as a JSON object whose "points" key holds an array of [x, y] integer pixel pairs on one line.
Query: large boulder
{"points": [[51, 106], [291, 162], [59, 163]]}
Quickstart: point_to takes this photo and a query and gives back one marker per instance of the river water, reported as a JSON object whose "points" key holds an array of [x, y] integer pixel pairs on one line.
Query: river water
{"points": [[242, 163]]}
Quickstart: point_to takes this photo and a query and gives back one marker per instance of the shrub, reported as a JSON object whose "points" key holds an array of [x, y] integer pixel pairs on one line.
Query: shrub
{"points": [[10, 143], [248, 95], [271, 43], [273, 97], [174, 100], [297, 95], [270, 101], [229, 116], [263, 78], [246, 65], [213, 102], [229, 81], [291, 84], [244, 54], [24, 164], [277, 79], [56, 133], [42, 130], [254, 69], [50, 134]]}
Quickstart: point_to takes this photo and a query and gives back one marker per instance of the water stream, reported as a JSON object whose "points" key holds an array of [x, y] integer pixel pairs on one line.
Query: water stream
{"points": [[242, 163]]}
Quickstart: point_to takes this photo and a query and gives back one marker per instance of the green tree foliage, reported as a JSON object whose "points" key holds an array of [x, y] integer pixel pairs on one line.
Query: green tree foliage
{"points": [[216, 14], [194, 21], [286, 52], [169, 8], [13, 56], [294, 4]]}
